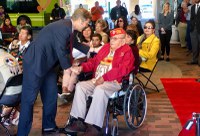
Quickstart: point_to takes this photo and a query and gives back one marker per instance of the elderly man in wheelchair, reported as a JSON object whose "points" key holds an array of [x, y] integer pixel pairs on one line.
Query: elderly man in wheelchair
{"points": [[110, 65]]}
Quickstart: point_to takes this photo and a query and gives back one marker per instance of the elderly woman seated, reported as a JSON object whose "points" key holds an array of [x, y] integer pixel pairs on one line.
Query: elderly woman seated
{"points": [[148, 45]]}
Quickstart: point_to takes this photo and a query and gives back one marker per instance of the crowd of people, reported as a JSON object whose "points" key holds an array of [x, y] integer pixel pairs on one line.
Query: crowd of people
{"points": [[187, 20], [79, 47]]}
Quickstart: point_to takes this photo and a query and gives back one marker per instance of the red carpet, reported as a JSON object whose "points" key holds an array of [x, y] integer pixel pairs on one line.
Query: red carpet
{"points": [[184, 94]]}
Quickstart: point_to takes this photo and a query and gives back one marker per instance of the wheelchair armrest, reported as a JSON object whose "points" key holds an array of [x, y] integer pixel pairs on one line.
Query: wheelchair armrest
{"points": [[12, 81]]}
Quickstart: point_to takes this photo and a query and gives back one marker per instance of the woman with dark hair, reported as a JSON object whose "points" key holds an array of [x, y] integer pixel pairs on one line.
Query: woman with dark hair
{"points": [[136, 13], [8, 27], [138, 24], [85, 36], [121, 23], [23, 21], [3, 15], [131, 40], [148, 45]]}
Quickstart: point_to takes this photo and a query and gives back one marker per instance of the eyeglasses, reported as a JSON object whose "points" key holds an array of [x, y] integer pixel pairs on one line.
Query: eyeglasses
{"points": [[148, 27], [121, 21]]}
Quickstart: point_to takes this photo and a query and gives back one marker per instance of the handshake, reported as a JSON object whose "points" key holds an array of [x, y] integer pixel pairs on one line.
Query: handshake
{"points": [[76, 69]]}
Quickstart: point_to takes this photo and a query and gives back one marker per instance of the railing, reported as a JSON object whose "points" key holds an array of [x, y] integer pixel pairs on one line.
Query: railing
{"points": [[195, 120]]}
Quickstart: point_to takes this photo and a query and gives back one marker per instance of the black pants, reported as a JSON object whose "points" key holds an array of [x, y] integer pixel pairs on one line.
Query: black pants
{"points": [[165, 41]]}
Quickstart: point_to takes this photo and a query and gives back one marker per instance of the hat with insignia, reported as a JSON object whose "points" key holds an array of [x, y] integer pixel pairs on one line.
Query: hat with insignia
{"points": [[117, 31]]}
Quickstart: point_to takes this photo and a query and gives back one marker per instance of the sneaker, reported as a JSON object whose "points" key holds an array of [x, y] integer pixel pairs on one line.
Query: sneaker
{"points": [[76, 126], [92, 131]]}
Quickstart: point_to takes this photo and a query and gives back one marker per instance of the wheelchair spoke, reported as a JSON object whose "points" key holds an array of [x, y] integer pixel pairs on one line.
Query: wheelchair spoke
{"points": [[135, 106]]}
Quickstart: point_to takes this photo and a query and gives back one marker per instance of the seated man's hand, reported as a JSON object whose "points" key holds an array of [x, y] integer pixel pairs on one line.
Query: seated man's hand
{"points": [[65, 90], [77, 70], [99, 81]]}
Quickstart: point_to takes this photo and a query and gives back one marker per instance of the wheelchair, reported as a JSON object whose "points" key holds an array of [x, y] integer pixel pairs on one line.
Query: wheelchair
{"points": [[10, 90], [130, 101]]}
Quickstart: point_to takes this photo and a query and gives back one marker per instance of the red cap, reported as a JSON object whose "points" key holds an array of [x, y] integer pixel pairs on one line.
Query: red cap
{"points": [[117, 31]]}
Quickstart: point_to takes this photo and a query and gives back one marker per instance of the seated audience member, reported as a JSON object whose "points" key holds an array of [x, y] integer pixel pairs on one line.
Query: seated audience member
{"points": [[112, 62], [121, 22], [131, 40], [148, 45], [100, 28], [85, 36], [8, 31], [96, 45], [22, 22], [8, 27], [18, 46], [133, 27], [3, 14], [8, 68], [138, 24]]}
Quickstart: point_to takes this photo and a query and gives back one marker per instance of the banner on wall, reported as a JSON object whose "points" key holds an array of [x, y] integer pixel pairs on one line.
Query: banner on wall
{"points": [[146, 8]]}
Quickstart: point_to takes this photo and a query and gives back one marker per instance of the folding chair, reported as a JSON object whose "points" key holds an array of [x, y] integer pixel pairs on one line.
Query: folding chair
{"points": [[148, 78], [11, 95]]}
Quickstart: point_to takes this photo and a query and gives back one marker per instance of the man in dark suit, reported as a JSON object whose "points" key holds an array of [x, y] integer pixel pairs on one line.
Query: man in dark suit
{"points": [[49, 48], [195, 32]]}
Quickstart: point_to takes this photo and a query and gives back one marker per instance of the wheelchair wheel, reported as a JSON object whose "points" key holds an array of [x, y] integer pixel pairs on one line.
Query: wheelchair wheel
{"points": [[135, 106]]}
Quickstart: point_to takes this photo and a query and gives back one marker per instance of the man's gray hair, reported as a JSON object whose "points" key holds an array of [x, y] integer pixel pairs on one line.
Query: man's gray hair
{"points": [[81, 13]]}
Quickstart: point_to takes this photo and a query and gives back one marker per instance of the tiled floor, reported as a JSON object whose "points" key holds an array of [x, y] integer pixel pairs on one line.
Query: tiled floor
{"points": [[161, 119]]}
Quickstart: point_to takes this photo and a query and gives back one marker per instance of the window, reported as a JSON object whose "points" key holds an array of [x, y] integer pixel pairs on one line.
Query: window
{"points": [[20, 6]]}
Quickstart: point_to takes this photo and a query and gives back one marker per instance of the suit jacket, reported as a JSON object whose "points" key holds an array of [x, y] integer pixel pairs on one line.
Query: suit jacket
{"points": [[195, 19], [50, 47]]}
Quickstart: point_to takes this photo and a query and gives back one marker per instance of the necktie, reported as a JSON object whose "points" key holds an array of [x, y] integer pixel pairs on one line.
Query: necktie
{"points": [[71, 46]]}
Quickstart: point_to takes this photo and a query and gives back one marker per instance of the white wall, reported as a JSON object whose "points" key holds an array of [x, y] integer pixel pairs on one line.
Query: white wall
{"points": [[130, 4], [90, 3]]}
